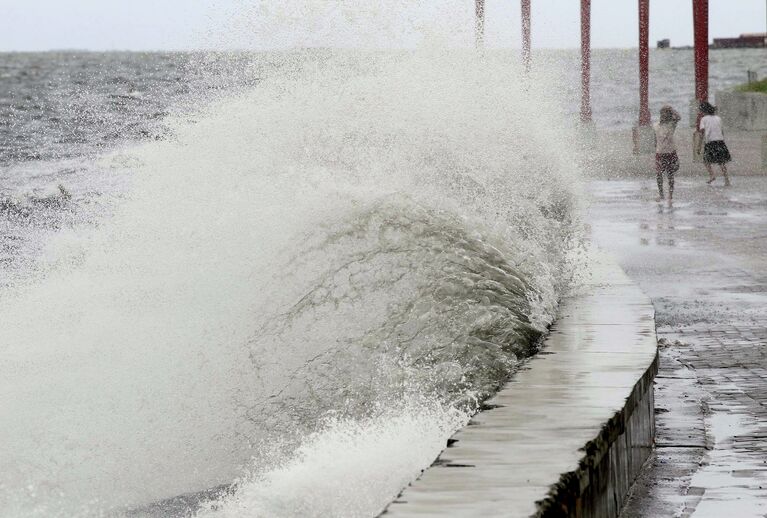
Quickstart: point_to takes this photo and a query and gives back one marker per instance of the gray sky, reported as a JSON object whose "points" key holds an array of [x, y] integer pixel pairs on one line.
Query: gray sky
{"points": [[189, 24]]}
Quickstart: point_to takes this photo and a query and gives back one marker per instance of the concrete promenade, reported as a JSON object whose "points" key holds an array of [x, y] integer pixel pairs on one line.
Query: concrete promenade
{"points": [[704, 265]]}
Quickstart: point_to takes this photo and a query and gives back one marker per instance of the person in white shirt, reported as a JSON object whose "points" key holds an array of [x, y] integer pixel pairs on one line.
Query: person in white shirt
{"points": [[666, 159], [714, 150]]}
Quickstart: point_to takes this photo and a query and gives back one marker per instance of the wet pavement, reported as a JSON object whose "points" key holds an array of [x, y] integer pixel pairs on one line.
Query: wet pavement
{"points": [[704, 265]]}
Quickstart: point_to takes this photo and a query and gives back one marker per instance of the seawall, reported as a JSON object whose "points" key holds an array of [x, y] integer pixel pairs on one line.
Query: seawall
{"points": [[570, 432], [745, 111]]}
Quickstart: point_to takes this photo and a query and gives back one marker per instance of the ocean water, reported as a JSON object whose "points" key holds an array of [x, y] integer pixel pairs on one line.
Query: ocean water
{"points": [[274, 284]]}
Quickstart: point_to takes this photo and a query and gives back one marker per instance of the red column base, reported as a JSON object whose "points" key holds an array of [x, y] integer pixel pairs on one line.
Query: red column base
{"points": [[643, 140]]}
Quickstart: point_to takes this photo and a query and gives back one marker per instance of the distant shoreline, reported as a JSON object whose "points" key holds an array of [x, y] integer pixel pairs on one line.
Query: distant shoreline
{"points": [[710, 47]]}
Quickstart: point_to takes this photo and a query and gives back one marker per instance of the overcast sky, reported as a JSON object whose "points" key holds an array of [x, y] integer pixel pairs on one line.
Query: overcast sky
{"points": [[190, 24]]}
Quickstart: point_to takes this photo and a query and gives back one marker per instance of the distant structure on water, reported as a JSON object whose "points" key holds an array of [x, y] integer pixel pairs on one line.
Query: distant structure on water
{"points": [[664, 44], [756, 40]]}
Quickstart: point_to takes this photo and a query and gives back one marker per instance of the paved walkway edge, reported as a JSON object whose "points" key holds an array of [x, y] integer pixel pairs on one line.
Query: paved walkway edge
{"points": [[568, 435], [602, 483]]}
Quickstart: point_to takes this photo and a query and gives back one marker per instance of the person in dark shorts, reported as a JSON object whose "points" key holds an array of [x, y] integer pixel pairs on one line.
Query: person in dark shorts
{"points": [[666, 159], [714, 149]]}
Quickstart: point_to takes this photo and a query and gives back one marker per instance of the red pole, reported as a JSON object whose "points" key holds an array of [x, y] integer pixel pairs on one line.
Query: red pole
{"points": [[526, 33], [479, 11], [585, 60], [700, 22], [644, 62]]}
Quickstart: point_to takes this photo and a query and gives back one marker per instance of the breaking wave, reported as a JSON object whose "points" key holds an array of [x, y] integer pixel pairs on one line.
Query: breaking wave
{"points": [[298, 297]]}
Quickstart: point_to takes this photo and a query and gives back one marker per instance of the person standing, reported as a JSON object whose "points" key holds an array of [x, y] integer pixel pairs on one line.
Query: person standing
{"points": [[714, 149], [666, 159]]}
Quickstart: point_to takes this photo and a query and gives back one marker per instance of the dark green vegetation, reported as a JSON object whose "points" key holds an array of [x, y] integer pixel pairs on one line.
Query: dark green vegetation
{"points": [[756, 86]]}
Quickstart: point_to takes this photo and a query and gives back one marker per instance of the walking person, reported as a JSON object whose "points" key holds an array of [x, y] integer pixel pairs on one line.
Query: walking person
{"points": [[666, 159], [714, 149]]}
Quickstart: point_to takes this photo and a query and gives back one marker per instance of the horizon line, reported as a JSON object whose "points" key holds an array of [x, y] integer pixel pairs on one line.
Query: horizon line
{"points": [[289, 49]]}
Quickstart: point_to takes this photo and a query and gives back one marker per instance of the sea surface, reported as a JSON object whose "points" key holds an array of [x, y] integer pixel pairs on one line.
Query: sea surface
{"points": [[274, 284], [58, 105]]}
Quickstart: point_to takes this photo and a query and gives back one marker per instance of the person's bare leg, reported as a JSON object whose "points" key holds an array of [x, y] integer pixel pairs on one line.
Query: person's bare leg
{"points": [[726, 176], [711, 176], [670, 188], [659, 178]]}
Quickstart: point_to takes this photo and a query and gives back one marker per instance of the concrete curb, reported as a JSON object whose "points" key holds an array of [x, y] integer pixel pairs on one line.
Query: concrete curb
{"points": [[613, 460], [569, 433]]}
